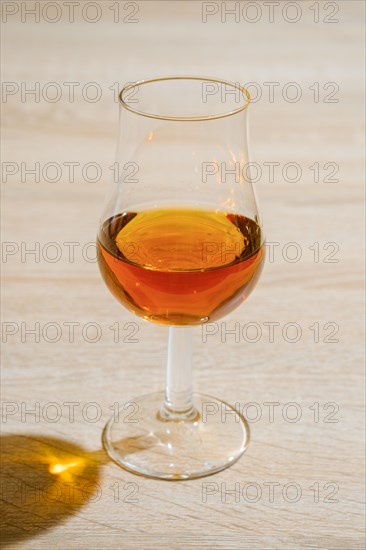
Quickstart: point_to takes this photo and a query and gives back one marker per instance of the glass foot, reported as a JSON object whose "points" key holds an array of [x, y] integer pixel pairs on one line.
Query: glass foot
{"points": [[141, 438]]}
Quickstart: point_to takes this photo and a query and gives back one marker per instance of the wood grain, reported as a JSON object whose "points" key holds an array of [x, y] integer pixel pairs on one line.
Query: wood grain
{"points": [[313, 466]]}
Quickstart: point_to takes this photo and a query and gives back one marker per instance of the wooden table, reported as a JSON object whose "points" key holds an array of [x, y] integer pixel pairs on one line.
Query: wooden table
{"points": [[300, 483]]}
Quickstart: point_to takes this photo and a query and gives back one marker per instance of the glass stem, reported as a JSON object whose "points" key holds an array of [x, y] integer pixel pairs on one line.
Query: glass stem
{"points": [[178, 398]]}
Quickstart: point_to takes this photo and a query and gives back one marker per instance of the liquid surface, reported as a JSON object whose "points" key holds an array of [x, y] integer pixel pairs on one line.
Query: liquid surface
{"points": [[180, 266]]}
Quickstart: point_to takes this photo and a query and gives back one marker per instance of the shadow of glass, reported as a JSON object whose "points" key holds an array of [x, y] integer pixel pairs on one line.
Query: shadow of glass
{"points": [[132, 445], [43, 482]]}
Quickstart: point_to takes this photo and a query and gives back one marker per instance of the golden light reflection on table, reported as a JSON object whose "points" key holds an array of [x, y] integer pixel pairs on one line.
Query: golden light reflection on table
{"points": [[43, 482], [58, 468]]}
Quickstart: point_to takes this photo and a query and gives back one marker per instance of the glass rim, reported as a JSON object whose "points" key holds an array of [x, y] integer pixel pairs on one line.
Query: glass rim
{"points": [[133, 85]]}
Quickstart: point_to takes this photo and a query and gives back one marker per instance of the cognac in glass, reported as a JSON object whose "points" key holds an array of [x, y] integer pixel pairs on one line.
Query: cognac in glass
{"points": [[180, 244]]}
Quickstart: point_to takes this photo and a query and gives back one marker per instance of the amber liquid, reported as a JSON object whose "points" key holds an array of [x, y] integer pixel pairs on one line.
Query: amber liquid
{"points": [[180, 266]]}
